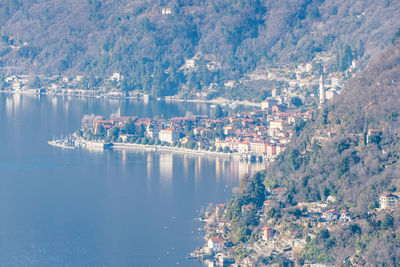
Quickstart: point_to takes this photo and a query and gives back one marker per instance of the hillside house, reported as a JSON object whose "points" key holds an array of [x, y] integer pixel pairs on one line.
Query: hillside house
{"points": [[190, 63], [344, 216], [166, 11], [387, 200], [278, 192], [267, 233], [329, 215]]}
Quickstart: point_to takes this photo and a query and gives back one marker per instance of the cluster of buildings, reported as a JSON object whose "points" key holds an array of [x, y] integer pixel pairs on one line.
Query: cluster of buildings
{"points": [[261, 132], [318, 212], [69, 86]]}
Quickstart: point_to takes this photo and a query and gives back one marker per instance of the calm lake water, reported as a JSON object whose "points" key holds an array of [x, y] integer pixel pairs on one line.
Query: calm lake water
{"points": [[89, 208]]}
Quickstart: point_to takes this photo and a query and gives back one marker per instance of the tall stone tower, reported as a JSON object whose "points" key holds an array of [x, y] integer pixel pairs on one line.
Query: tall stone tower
{"points": [[322, 89]]}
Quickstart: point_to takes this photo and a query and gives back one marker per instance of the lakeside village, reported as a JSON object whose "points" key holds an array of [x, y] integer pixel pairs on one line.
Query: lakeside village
{"points": [[281, 238], [294, 82], [257, 135]]}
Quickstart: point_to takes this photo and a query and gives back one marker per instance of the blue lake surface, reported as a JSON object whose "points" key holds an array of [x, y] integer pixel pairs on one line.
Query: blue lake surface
{"points": [[89, 208]]}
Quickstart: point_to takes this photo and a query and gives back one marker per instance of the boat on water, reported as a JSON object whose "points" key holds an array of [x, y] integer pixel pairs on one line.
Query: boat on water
{"points": [[96, 144], [61, 143]]}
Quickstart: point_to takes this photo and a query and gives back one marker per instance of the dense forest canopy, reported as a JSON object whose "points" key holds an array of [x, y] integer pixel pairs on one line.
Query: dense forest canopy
{"points": [[149, 41]]}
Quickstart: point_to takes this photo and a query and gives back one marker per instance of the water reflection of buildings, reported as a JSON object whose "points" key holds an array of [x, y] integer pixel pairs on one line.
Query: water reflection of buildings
{"points": [[198, 168], [12, 104], [186, 165], [54, 102], [236, 168], [66, 107], [166, 168], [249, 168], [124, 158], [150, 165], [149, 170]]}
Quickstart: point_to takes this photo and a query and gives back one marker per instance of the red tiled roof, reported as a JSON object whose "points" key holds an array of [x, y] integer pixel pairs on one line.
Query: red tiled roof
{"points": [[168, 130], [216, 239]]}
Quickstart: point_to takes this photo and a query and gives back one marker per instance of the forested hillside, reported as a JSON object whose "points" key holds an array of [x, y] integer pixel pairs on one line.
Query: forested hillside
{"points": [[149, 41], [350, 165], [355, 166]]}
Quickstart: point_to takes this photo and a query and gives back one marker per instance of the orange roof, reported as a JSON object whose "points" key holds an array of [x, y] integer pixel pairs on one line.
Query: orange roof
{"points": [[168, 130], [216, 239]]}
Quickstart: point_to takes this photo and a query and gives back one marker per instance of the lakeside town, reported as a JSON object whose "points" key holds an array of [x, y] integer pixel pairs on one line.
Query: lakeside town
{"points": [[257, 135]]}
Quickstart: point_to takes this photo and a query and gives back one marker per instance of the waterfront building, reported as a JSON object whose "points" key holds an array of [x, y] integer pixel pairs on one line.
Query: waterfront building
{"points": [[243, 147], [215, 244], [168, 135], [258, 147]]}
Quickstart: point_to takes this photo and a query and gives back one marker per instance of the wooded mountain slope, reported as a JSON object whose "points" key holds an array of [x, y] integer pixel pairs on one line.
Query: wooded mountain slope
{"points": [[148, 47], [348, 165], [352, 166]]}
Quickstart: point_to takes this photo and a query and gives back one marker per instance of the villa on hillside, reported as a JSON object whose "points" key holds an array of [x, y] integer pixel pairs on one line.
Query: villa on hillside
{"points": [[387, 200]]}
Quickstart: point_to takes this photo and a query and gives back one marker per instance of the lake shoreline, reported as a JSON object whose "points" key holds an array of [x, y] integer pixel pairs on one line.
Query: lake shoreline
{"points": [[215, 101]]}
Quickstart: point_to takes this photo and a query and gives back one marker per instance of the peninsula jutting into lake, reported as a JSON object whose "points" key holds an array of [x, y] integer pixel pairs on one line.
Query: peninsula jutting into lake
{"points": [[256, 135]]}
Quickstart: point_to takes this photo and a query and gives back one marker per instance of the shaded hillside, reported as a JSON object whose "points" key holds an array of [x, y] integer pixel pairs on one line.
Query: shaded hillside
{"points": [[348, 165], [149, 47], [355, 166]]}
